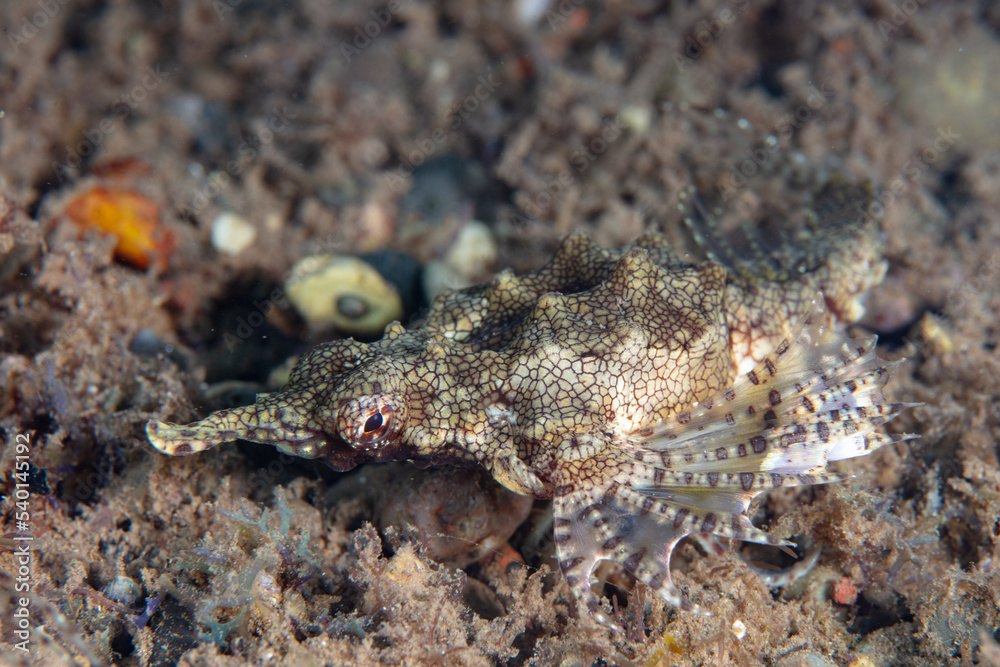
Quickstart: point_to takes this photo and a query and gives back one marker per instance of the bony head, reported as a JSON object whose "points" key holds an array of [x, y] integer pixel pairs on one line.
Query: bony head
{"points": [[346, 419]]}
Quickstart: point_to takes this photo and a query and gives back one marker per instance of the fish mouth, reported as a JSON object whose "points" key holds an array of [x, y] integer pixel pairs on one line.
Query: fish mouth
{"points": [[341, 456]]}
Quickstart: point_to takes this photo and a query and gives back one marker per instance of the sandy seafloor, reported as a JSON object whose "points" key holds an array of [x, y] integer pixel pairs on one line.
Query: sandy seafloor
{"points": [[535, 119]]}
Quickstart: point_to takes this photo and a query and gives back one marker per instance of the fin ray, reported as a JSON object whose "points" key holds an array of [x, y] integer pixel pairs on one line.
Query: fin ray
{"points": [[817, 397]]}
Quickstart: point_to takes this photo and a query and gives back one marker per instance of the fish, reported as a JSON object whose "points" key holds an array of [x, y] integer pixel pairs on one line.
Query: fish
{"points": [[648, 397]]}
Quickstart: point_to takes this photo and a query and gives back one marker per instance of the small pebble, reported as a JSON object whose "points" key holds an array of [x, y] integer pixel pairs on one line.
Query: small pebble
{"points": [[469, 261], [145, 343], [529, 11], [345, 293], [635, 118], [474, 252], [934, 334], [122, 590], [232, 233], [464, 515], [148, 344]]}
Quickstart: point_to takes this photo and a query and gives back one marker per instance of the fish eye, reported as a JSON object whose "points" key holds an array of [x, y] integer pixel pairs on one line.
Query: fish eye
{"points": [[374, 423], [369, 421]]}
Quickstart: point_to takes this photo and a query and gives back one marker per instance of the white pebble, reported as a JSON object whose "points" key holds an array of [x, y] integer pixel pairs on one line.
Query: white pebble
{"points": [[529, 11], [343, 292], [468, 261], [232, 233], [635, 118], [473, 253]]}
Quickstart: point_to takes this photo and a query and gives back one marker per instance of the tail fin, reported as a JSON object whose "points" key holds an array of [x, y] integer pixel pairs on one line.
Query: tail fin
{"points": [[816, 398]]}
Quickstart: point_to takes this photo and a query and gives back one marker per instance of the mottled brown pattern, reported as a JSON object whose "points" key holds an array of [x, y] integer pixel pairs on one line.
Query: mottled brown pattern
{"points": [[650, 397]]}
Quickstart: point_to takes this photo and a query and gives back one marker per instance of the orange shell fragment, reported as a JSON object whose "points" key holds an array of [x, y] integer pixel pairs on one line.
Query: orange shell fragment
{"points": [[845, 592], [130, 217]]}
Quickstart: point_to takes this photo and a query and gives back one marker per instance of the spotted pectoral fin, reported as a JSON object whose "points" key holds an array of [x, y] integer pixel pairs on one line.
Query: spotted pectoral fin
{"points": [[816, 398], [638, 525], [598, 524]]}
